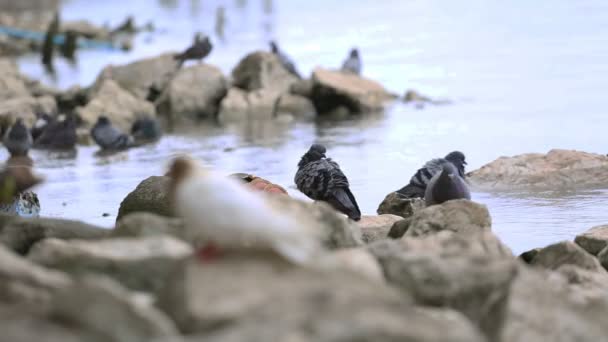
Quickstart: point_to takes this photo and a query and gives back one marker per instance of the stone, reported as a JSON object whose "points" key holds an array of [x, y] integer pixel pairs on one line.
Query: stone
{"points": [[262, 70], [86, 29], [298, 106], [302, 87], [334, 89], [19, 234], [147, 224], [70, 99], [461, 216], [376, 228], [117, 104], [194, 93], [594, 239], [358, 260], [399, 228], [556, 170], [395, 204], [12, 86], [528, 256], [602, 256], [142, 264], [240, 105], [25, 108], [566, 253], [151, 195]]}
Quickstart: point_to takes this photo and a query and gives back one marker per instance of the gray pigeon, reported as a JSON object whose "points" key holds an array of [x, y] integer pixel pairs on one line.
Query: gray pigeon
{"points": [[353, 63], [201, 48], [58, 135], [321, 179], [285, 60], [418, 182], [109, 137], [446, 185], [18, 140]]}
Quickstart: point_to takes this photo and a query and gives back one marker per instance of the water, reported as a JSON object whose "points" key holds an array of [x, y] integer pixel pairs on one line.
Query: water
{"points": [[523, 77]]}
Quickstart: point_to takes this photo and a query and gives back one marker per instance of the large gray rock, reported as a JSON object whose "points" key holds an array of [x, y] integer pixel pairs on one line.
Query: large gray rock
{"points": [[12, 84], [358, 260], [558, 169], [148, 224], [295, 105], [240, 105], [25, 108], [138, 263], [262, 70], [151, 195], [461, 216], [375, 228], [594, 239], [395, 204], [566, 253], [19, 234], [602, 256]]}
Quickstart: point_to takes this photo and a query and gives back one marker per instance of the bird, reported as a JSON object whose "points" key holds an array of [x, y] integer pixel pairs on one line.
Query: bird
{"points": [[287, 63], [145, 130], [16, 178], [42, 120], [418, 183], [201, 48], [228, 216], [58, 134], [18, 139], [352, 64], [446, 185], [321, 179], [109, 137]]}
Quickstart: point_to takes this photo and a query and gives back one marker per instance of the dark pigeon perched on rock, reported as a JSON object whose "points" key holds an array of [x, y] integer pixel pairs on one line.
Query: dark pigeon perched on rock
{"points": [[321, 179], [446, 185], [58, 135], [353, 63], [146, 130], [285, 60], [201, 47], [18, 139], [419, 181], [109, 137]]}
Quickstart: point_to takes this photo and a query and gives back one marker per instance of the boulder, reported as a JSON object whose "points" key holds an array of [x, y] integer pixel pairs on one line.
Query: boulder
{"points": [[302, 88], [296, 106], [240, 105], [399, 228], [121, 107], [376, 228], [19, 234], [25, 108], [262, 70], [195, 92], [556, 170], [602, 256], [147, 224], [358, 260], [86, 29], [594, 239], [151, 195], [395, 204], [461, 216], [566, 253], [137, 263], [11, 84], [335, 89], [528, 256]]}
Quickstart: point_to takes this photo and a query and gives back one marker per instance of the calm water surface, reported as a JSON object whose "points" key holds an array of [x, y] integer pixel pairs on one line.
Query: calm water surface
{"points": [[523, 77]]}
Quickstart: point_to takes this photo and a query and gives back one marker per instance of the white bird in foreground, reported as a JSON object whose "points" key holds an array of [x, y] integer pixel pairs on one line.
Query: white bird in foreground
{"points": [[221, 211]]}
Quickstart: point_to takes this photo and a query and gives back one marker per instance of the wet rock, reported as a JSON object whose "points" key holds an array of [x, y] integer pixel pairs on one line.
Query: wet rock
{"points": [[240, 105], [262, 70], [295, 105], [566, 253], [462, 216], [19, 234], [25, 108], [151, 195], [111, 311], [137, 263], [147, 224], [594, 239], [376, 228], [556, 170], [334, 89], [395, 204], [469, 273], [117, 104]]}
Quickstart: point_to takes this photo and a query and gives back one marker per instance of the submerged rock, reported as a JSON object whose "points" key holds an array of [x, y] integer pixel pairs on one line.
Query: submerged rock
{"points": [[151, 195]]}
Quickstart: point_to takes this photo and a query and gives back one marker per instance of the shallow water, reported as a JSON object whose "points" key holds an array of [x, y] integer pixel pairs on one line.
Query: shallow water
{"points": [[522, 77]]}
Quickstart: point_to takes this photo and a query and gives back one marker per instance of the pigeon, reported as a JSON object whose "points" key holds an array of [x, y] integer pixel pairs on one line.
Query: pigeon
{"points": [[58, 135], [228, 216], [145, 130], [18, 139], [353, 63], [109, 137], [285, 60], [42, 120], [446, 185], [320, 178], [201, 47], [418, 183]]}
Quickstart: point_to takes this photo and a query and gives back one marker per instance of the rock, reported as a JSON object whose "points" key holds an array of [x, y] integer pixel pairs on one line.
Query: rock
{"points": [[147, 224], [151, 195], [603, 257], [70, 99], [240, 105], [252, 298], [104, 307], [19, 234], [414, 96], [12, 86], [195, 92], [461, 216], [86, 29], [302, 87], [399, 228], [566, 253], [376, 228], [138, 263], [398, 205], [295, 105], [333, 89], [262, 70], [358, 260], [25, 108], [594, 239], [117, 104], [556, 170], [529, 256], [469, 273]]}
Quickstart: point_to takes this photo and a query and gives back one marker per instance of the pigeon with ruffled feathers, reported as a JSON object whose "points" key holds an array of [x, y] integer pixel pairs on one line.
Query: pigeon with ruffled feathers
{"points": [[201, 48], [419, 181], [446, 185]]}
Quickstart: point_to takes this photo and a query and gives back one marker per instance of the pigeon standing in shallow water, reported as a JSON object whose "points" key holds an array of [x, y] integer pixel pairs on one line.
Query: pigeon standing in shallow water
{"points": [[58, 135], [446, 185], [285, 60], [109, 137], [321, 179], [42, 121], [145, 130], [201, 47], [18, 139], [353, 63], [420, 180], [228, 216]]}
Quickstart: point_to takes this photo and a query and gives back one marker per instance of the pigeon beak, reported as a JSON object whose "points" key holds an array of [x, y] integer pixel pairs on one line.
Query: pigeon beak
{"points": [[464, 163]]}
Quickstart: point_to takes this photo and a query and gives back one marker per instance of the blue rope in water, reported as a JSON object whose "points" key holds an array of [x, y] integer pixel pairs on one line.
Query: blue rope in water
{"points": [[58, 39]]}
